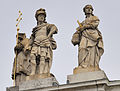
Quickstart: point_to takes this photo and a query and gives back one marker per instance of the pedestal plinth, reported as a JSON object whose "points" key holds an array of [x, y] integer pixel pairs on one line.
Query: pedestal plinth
{"points": [[38, 83], [79, 69], [39, 76], [31, 85], [96, 81], [86, 76]]}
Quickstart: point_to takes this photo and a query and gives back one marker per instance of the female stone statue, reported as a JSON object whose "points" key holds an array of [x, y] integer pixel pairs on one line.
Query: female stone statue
{"points": [[89, 41]]}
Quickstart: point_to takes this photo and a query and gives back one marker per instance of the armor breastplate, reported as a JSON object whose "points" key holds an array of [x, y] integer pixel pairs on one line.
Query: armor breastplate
{"points": [[41, 34]]}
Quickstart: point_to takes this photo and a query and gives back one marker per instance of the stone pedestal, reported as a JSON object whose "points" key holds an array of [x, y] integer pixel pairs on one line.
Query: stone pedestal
{"points": [[39, 76], [14, 88], [88, 81], [79, 69], [38, 83], [86, 76], [31, 85]]}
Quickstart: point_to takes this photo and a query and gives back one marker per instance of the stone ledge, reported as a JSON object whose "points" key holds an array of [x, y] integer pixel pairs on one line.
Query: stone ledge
{"points": [[39, 83], [14, 88], [114, 83], [96, 81], [86, 76], [103, 85]]}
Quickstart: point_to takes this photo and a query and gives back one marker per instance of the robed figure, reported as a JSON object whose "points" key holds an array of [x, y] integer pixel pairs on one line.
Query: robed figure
{"points": [[21, 68], [89, 41]]}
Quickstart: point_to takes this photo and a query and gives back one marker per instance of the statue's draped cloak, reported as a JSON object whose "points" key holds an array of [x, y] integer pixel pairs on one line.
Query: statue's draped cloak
{"points": [[91, 44], [22, 60]]}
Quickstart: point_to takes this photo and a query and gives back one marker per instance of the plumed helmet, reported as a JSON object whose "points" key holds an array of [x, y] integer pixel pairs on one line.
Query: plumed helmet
{"points": [[88, 6], [40, 11]]}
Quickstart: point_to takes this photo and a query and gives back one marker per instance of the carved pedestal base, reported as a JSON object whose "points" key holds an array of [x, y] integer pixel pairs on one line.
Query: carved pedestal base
{"points": [[38, 84], [87, 76], [79, 69], [39, 76]]}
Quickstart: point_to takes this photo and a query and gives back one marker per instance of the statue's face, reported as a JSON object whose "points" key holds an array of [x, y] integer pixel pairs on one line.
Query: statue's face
{"points": [[88, 10], [41, 18]]}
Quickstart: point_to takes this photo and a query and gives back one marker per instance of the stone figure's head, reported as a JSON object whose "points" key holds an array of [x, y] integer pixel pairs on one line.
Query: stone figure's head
{"points": [[88, 9], [21, 36], [40, 15]]}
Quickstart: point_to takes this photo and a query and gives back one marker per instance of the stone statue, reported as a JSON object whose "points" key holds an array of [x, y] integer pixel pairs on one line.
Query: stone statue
{"points": [[89, 41], [42, 44], [22, 67]]}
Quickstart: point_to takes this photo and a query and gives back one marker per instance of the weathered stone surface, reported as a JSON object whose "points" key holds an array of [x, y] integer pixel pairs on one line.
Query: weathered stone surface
{"points": [[21, 62], [94, 85], [15, 88], [39, 83], [42, 44], [78, 70], [89, 41], [38, 76], [86, 76], [34, 55]]}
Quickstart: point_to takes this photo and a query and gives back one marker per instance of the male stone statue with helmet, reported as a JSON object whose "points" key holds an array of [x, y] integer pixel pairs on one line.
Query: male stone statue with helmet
{"points": [[42, 44], [34, 56]]}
